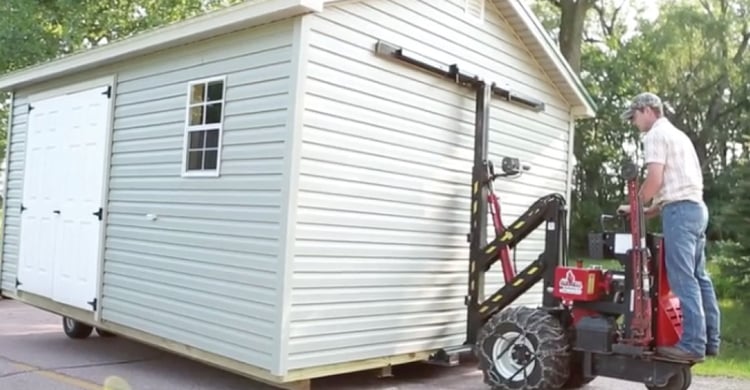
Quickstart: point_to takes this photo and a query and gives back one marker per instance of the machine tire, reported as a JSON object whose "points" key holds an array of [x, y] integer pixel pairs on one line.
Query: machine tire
{"points": [[527, 342], [75, 329], [680, 381]]}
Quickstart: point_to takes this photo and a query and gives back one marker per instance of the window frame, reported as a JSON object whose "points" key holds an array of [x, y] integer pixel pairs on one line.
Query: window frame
{"points": [[188, 129]]}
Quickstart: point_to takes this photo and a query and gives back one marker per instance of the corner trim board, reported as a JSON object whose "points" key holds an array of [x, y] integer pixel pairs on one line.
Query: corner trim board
{"points": [[6, 170], [295, 124]]}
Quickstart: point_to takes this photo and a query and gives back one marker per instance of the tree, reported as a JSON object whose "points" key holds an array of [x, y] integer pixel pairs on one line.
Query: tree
{"points": [[572, 20], [694, 55], [38, 30]]}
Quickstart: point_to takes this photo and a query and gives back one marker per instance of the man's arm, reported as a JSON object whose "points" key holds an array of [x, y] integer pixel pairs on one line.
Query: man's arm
{"points": [[653, 182]]}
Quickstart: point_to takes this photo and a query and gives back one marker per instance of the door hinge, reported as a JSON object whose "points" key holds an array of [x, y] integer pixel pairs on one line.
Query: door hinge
{"points": [[23, 207], [98, 214], [108, 92], [93, 304], [30, 107], [18, 283]]}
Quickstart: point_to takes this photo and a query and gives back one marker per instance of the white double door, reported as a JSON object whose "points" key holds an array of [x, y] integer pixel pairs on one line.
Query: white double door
{"points": [[63, 192]]}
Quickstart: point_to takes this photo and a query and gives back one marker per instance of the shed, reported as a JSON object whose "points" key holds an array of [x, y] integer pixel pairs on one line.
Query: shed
{"points": [[260, 188]]}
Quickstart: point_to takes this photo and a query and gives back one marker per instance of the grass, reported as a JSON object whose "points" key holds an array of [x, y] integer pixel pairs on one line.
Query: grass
{"points": [[734, 357]]}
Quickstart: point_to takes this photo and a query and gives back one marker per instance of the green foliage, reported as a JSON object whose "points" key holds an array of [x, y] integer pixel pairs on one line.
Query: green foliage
{"points": [[33, 31], [695, 56], [729, 266]]}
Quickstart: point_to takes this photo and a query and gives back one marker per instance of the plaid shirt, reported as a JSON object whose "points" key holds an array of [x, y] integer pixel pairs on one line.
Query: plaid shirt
{"points": [[683, 177]]}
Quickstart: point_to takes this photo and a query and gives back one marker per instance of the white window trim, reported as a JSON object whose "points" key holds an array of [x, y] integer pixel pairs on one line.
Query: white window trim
{"points": [[187, 129]]}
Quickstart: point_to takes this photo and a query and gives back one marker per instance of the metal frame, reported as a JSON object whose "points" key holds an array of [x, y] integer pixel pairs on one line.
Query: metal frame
{"points": [[483, 255]]}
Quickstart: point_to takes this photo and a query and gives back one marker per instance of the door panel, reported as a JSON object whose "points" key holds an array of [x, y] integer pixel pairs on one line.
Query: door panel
{"points": [[63, 188], [83, 145], [38, 222]]}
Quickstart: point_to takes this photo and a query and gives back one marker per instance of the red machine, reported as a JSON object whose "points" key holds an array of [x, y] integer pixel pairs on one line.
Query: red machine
{"points": [[592, 321]]}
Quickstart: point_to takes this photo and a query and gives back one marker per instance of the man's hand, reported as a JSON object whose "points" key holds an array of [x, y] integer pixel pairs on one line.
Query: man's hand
{"points": [[651, 211]]}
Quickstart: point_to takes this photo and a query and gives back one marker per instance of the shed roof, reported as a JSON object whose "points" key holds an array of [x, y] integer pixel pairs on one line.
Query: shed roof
{"points": [[254, 12]]}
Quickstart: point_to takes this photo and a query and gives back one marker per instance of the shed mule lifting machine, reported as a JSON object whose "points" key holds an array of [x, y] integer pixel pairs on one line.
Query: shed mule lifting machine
{"points": [[591, 322]]}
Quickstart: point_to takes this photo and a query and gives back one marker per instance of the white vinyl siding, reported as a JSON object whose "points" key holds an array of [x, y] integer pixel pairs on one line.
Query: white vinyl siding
{"points": [[195, 259], [381, 258], [16, 152]]}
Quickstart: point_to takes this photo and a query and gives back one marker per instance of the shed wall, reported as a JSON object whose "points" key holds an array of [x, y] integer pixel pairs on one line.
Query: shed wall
{"points": [[381, 258], [205, 272], [12, 229]]}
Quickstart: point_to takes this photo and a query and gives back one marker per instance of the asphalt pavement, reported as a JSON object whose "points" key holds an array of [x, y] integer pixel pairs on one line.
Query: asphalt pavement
{"points": [[36, 355]]}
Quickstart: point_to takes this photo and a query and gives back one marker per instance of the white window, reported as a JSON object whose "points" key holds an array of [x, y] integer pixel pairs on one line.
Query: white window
{"points": [[203, 130]]}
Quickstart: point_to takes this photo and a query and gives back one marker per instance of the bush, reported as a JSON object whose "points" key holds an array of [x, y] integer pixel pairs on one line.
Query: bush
{"points": [[729, 265]]}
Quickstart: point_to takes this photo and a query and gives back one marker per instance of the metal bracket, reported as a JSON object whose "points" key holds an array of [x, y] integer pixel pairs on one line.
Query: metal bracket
{"points": [[449, 357]]}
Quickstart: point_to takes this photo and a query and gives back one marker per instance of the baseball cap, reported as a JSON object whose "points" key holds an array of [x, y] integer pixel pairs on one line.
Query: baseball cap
{"points": [[641, 101]]}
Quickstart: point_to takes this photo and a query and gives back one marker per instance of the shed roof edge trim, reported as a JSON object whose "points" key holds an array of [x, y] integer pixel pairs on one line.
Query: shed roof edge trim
{"points": [[223, 21]]}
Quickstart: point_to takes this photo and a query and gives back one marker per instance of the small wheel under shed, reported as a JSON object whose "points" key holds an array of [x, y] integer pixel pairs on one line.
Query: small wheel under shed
{"points": [[75, 329], [681, 380], [524, 348]]}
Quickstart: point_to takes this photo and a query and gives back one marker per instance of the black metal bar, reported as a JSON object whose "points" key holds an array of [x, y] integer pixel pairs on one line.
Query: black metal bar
{"points": [[628, 299], [517, 286], [554, 244], [465, 79], [452, 73], [535, 215], [650, 372], [515, 97], [479, 208]]}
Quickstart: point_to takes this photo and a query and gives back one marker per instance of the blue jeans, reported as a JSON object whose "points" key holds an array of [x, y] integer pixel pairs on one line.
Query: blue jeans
{"points": [[684, 224]]}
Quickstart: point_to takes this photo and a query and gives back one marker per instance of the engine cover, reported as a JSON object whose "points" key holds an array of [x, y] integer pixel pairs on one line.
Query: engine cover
{"points": [[575, 284]]}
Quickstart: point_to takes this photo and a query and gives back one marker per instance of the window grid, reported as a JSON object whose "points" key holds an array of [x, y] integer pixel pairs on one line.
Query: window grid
{"points": [[204, 127]]}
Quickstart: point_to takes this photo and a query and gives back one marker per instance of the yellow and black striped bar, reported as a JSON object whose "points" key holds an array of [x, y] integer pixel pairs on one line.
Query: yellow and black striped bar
{"points": [[507, 294], [537, 214]]}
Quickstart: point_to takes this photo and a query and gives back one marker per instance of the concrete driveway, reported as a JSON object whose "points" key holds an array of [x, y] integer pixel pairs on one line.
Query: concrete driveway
{"points": [[36, 355]]}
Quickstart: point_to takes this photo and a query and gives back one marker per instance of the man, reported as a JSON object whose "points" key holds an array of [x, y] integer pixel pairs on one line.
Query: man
{"points": [[674, 182]]}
